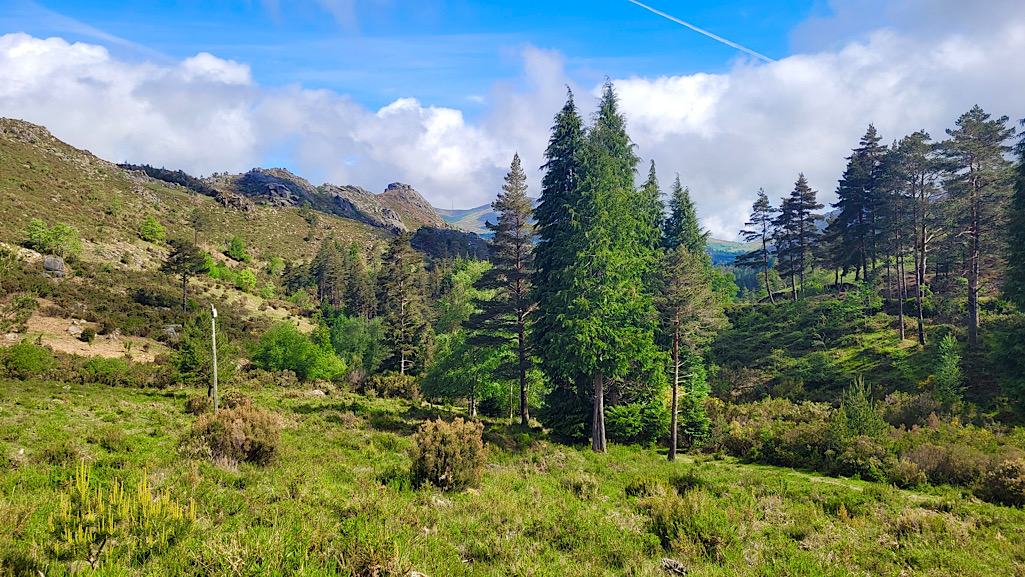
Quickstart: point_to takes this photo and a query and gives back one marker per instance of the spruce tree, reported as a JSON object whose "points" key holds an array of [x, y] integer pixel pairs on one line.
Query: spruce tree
{"points": [[602, 328], [760, 229], [797, 233], [557, 219], [977, 185], [682, 227], [408, 336], [859, 202], [504, 318]]}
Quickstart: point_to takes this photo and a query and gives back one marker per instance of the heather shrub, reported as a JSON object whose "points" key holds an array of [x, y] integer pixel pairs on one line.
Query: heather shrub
{"points": [[245, 433], [394, 385], [449, 456], [692, 525], [646, 486], [1005, 484], [198, 404]]}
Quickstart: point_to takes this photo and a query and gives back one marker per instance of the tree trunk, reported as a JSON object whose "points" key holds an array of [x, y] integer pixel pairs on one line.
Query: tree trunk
{"points": [[765, 251], [598, 425], [524, 411], [973, 285], [920, 279], [676, 388], [185, 289]]}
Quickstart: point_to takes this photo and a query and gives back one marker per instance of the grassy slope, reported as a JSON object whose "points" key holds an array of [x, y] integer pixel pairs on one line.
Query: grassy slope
{"points": [[41, 177], [543, 510]]}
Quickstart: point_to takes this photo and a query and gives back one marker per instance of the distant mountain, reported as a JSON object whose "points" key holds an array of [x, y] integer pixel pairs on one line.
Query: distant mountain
{"points": [[724, 251], [469, 219]]}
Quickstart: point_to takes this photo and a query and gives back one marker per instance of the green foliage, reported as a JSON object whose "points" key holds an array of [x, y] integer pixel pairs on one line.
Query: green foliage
{"points": [[16, 311], [358, 341], [92, 525], [276, 266], [407, 335], [449, 456], [638, 422], [88, 335], [244, 433], [245, 280], [283, 348], [111, 372], [150, 230], [61, 240], [26, 361], [462, 370], [857, 415], [693, 525], [392, 385], [198, 404], [949, 383], [237, 249]]}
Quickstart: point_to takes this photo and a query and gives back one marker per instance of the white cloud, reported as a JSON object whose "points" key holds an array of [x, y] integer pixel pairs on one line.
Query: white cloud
{"points": [[726, 134]]}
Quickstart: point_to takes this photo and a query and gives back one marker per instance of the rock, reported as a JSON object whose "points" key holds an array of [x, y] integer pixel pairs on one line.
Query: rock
{"points": [[53, 266], [11, 336], [416, 574], [317, 393], [171, 330], [673, 567], [74, 330]]}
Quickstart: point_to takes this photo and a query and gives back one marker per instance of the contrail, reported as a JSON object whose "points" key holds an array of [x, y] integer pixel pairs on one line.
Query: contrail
{"points": [[705, 32]]}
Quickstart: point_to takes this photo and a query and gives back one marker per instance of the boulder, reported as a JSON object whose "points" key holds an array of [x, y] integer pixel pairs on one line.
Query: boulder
{"points": [[53, 266]]}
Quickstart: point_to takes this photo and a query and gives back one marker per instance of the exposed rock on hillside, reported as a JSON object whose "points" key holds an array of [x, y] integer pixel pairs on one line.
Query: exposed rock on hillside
{"points": [[361, 204], [415, 210]]}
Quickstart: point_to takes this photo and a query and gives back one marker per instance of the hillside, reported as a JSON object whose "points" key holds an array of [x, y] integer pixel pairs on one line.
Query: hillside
{"points": [[469, 219]]}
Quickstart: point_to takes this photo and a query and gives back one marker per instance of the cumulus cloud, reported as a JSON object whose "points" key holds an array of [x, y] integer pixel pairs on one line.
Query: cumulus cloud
{"points": [[758, 125]]}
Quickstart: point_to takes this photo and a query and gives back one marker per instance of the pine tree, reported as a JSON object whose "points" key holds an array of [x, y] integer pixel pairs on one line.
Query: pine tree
{"points": [[401, 297], [797, 233], [185, 261], [760, 229], [915, 171], [504, 318], [651, 210], [859, 202], [977, 185], [682, 227], [359, 296]]}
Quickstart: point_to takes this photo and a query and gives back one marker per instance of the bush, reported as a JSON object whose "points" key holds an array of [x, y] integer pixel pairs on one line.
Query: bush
{"points": [[198, 404], [449, 456], [88, 335], [150, 230], [245, 280], [237, 249], [1006, 484], [692, 525], [646, 486], [392, 385], [245, 433], [25, 361], [61, 240], [110, 372]]}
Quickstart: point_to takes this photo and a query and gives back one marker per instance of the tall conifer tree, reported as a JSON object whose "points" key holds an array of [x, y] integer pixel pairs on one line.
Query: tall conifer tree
{"points": [[504, 317], [682, 227], [1014, 288], [977, 185], [759, 230], [401, 297]]}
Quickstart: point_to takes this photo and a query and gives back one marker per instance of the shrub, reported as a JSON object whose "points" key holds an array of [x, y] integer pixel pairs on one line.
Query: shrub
{"points": [[198, 404], [110, 372], [948, 371], [25, 361], [449, 456], [245, 433], [88, 335], [692, 524], [150, 230], [646, 486], [582, 485], [91, 523], [1006, 483], [392, 385], [637, 422], [906, 474]]}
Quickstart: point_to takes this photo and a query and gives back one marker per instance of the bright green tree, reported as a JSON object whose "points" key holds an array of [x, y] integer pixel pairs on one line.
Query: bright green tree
{"points": [[682, 227], [150, 230]]}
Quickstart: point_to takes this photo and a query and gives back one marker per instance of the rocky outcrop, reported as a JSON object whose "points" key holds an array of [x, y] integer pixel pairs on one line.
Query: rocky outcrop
{"points": [[362, 205], [413, 207]]}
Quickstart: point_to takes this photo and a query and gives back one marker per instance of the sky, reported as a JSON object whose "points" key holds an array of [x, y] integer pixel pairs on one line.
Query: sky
{"points": [[440, 94]]}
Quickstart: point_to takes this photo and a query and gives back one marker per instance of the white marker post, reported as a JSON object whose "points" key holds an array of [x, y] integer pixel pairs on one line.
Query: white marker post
{"points": [[213, 339]]}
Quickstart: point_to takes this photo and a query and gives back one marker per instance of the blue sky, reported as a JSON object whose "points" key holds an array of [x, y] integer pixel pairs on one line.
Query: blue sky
{"points": [[442, 53], [440, 95]]}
